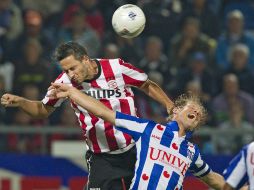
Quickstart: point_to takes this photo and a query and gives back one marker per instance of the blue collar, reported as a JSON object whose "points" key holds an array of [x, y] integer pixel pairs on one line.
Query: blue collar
{"points": [[174, 127]]}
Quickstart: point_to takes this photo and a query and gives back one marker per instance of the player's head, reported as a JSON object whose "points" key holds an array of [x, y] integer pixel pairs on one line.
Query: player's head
{"points": [[189, 112], [73, 59]]}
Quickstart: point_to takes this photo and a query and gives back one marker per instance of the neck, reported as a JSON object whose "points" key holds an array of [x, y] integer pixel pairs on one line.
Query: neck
{"points": [[92, 69], [181, 131]]}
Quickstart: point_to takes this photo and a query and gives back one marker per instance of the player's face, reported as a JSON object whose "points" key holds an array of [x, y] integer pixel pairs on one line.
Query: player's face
{"points": [[75, 69], [189, 115]]}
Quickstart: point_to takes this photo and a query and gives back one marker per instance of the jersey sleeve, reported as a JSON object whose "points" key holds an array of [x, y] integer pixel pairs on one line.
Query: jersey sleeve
{"points": [[62, 78], [131, 125], [236, 173], [131, 75], [199, 167]]}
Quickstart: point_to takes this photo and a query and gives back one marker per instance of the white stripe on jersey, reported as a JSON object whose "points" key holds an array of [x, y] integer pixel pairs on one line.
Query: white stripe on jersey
{"points": [[117, 72], [241, 168], [133, 73], [200, 173]]}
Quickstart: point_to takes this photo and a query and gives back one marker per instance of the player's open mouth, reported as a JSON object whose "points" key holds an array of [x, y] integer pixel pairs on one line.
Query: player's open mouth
{"points": [[191, 116]]}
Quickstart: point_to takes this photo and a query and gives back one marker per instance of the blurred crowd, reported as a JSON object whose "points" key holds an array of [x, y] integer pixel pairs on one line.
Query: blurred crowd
{"points": [[202, 46]]}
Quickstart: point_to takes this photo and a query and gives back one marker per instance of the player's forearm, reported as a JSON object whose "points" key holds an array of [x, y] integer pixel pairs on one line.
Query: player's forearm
{"points": [[227, 187], [154, 91], [34, 108], [214, 180], [92, 105]]}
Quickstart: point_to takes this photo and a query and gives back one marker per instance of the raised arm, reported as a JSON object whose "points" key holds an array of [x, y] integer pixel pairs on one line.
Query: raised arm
{"points": [[35, 109], [90, 104], [154, 91], [214, 180]]}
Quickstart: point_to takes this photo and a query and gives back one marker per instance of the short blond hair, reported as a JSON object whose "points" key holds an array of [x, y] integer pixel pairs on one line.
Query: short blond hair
{"points": [[189, 97]]}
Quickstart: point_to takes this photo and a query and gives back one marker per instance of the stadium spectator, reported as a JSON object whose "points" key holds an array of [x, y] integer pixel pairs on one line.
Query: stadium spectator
{"points": [[6, 71], [79, 31], [232, 93], [34, 29], [201, 10], [198, 71], [238, 57], [154, 58], [236, 120], [111, 51], [160, 13], [158, 146], [11, 23], [32, 68], [109, 81], [189, 41], [240, 170], [92, 14], [234, 34]]}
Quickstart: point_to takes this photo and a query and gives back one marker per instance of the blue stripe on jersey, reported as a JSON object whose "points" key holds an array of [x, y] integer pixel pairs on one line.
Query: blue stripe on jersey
{"points": [[153, 182], [183, 148], [120, 115], [195, 157], [234, 163], [143, 153], [167, 137], [173, 181], [134, 134], [244, 180]]}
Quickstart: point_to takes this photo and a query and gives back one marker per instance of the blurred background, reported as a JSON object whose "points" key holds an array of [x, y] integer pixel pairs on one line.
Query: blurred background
{"points": [[203, 46]]}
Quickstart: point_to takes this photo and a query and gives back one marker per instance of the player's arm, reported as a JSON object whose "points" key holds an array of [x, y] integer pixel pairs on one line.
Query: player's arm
{"points": [[135, 77], [90, 104], [34, 108], [154, 91], [214, 180], [129, 124]]}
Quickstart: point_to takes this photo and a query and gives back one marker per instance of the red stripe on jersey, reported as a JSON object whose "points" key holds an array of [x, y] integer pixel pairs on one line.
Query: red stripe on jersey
{"points": [[52, 102], [109, 132], [59, 76], [107, 70], [92, 134], [130, 66], [125, 108], [94, 84], [131, 81]]}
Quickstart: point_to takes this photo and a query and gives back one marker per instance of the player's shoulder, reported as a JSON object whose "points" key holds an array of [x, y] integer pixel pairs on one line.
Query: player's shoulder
{"points": [[250, 146], [110, 61], [63, 78]]}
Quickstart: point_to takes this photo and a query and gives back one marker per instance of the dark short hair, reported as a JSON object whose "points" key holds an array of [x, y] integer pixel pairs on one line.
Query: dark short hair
{"points": [[69, 48]]}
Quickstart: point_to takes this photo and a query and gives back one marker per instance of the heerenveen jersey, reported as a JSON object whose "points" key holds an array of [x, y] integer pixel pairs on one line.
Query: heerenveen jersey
{"points": [[241, 168], [112, 87], [163, 157]]}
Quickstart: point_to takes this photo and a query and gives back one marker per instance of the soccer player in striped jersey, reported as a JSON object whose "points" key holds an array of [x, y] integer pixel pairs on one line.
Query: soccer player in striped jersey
{"points": [[164, 153], [241, 169], [110, 81]]}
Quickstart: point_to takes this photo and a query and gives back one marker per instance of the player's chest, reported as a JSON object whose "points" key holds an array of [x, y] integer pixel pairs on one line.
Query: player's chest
{"points": [[104, 88]]}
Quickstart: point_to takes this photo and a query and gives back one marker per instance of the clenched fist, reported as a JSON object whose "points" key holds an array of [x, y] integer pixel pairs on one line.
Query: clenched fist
{"points": [[10, 100]]}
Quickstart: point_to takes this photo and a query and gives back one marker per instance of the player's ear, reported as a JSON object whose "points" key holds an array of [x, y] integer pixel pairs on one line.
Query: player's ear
{"points": [[85, 58]]}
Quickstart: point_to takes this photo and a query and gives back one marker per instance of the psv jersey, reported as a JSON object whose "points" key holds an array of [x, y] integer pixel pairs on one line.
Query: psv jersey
{"points": [[112, 87], [241, 168], [163, 157]]}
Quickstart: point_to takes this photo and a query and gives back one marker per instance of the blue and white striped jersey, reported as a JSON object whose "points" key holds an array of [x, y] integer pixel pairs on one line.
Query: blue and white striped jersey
{"points": [[241, 168], [163, 157]]}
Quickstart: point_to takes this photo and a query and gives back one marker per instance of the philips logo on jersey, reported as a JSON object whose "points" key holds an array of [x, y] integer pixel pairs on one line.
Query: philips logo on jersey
{"points": [[104, 94], [169, 159]]}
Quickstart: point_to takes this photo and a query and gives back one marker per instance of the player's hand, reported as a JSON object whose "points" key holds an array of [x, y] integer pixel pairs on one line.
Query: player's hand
{"points": [[10, 100], [60, 90]]}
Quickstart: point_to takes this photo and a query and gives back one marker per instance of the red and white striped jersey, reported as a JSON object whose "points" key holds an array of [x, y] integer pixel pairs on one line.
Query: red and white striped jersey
{"points": [[113, 88]]}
